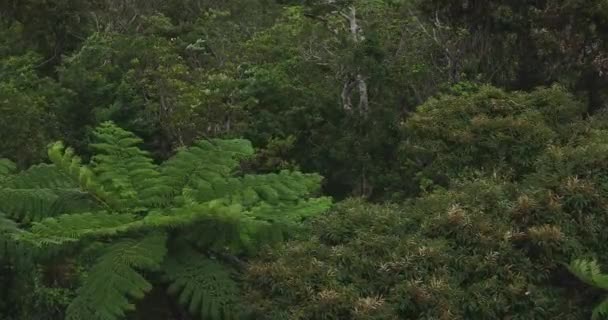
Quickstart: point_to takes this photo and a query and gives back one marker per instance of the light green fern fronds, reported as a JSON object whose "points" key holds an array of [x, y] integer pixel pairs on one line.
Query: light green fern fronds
{"points": [[115, 280], [203, 286], [122, 168], [268, 224], [600, 311], [589, 272], [69, 165], [249, 190], [74, 228], [210, 161], [242, 230]]}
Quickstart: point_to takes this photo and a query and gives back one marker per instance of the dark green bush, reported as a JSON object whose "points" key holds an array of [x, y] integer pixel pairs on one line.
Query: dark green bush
{"points": [[486, 129]]}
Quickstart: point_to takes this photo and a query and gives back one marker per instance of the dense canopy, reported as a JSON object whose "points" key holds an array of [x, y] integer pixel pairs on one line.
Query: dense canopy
{"points": [[303, 159]]}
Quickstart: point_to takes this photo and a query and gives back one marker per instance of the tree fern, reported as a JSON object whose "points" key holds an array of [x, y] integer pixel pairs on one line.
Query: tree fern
{"points": [[196, 197], [589, 272]]}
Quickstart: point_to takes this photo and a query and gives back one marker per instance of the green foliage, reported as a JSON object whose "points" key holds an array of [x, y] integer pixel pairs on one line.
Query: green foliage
{"points": [[27, 205], [388, 99], [27, 103], [204, 287], [451, 254], [521, 45], [185, 170], [6, 167], [128, 211], [40, 176], [115, 278], [589, 272], [526, 193], [488, 129], [121, 167]]}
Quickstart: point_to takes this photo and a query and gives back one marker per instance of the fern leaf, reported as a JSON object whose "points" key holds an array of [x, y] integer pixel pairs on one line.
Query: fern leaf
{"points": [[203, 286], [70, 166], [289, 214], [208, 161], [45, 176], [76, 227], [600, 311], [250, 190], [121, 167], [243, 231], [267, 224], [26, 205], [115, 279], [589, 272]]}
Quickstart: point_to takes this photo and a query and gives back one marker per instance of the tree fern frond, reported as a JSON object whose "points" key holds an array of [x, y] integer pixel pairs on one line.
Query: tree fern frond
{"points": [[249, 190], [26, 205], [243, 231], [600, 311], [45, 176], [76, 227], [70, 201], [269, 224], [290, 213], [191, 214], [69, 165], [208, 161], [589, 272], [115, 280], [121, 167], [202, 285]]}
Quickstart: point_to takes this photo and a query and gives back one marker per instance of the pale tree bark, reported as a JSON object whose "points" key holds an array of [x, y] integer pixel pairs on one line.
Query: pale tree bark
{"points": [[347, 89], [359, 80], [363, 97]]}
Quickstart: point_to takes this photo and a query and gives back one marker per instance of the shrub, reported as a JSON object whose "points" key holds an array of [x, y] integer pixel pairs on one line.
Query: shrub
{"points": [[526, 195], [486, 129]]}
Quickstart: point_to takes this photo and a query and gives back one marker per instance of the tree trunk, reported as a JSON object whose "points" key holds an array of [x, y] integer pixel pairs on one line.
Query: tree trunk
{"points": [[361, 84]]}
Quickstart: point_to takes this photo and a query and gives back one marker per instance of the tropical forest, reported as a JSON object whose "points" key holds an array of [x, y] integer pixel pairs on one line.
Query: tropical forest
{"points": [[303, 159]]}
